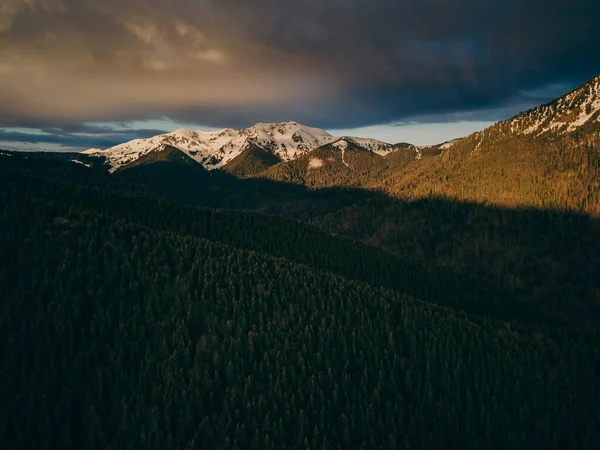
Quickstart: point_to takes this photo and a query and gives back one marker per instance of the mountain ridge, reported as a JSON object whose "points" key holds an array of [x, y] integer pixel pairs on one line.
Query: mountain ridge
{"points": [[575, 110], [215, 149], [288, 141]]}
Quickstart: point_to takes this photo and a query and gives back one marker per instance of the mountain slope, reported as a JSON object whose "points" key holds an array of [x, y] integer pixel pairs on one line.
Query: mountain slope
{"points": [[344, 163], [286, 141], [575, 110], [163, 153], [252, 161], [548, 157]]}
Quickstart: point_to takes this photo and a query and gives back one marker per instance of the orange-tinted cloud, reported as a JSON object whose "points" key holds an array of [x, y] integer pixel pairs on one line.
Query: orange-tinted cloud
{"points": [[325, 62]]}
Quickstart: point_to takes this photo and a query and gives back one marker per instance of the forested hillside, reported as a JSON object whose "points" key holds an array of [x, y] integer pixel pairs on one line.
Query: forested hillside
{"points": [[276, 236], [545, 261], [493, 167], [127, 325]]}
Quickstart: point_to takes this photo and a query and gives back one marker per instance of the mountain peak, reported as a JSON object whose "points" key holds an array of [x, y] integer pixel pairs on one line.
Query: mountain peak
{"points": [[185, 132], [275, 124], [285, 127]]}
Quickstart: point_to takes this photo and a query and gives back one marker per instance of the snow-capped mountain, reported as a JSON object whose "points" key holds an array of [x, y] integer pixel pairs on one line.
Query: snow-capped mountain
{"points": [[214, 149], [561, 116]]}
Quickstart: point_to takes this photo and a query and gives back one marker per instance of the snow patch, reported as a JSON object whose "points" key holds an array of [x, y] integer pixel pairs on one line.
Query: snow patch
{"points": [[92, 151], [315, 163], [341, 144], [449, 144], [378, 147], [343, 157], [80, 162]]}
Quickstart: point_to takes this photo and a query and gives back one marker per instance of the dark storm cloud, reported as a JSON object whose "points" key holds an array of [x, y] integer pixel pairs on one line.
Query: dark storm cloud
{"points": [[69, 140], [97, 130], [329, 63]]}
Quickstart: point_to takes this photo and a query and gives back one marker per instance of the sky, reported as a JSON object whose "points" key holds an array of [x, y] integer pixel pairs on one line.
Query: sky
{"points": [[77, 74]]}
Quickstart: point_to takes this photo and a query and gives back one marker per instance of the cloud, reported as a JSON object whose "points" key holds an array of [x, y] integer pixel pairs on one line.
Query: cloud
{"points": [[74, 137], [147, 32], [9, 9], [329, 63]]}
